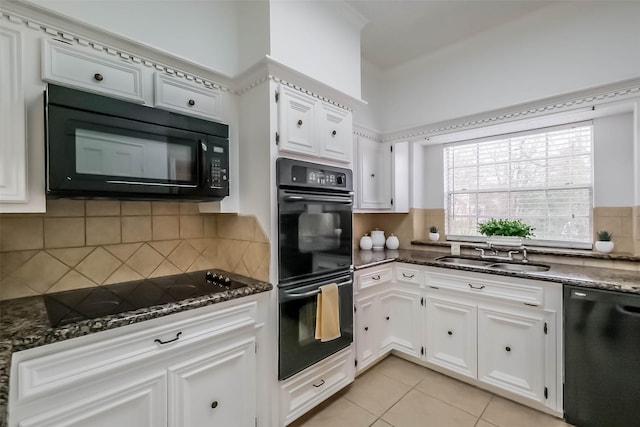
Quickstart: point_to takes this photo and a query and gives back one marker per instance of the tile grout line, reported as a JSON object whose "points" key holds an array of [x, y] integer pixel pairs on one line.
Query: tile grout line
{"points": [[485, 410]]}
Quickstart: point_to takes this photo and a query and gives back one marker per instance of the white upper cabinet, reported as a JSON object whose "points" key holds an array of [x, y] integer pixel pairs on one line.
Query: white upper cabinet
{"points": [[311, 127], [335, 133], [180, 96], [382, 175], [117, 77], [13, 142]]}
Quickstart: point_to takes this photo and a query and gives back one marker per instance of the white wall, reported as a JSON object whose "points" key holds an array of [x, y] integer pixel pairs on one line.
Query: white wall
{"points": [[206, 32], [614, 183], [561, 48], [320, 39], [372, 93]]}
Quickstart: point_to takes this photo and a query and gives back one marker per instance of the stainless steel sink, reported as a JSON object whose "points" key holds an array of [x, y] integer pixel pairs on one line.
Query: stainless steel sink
{"points": [[464, 261], [527, 268]]}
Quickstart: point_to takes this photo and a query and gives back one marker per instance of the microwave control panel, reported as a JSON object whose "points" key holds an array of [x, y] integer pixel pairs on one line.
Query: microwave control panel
{"points": [[218, 170]]}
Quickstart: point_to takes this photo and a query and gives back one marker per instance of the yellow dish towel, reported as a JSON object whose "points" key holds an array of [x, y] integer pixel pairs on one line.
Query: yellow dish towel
{"points": [[328, 313]]}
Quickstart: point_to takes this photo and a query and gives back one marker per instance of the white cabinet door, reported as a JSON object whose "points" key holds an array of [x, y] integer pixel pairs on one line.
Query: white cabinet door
{"points": [[511, 351], [13, 143], [366, 336], [70, 66], [216, 386], [335, 129], [374, 176], [451, 335], [140, 403], [400, 316], [175, 94], [297, 121]]}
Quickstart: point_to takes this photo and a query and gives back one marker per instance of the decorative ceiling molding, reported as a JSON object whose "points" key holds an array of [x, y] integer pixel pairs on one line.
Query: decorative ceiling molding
{"points": [[563, 103], [74, 39], [364, 132]]}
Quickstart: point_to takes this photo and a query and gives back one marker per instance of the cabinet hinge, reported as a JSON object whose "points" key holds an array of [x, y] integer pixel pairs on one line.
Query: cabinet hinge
{"points": [[355, 362], [422, 301], [392, 201], [277, 138], [422, 351], [546, 330], [255, 347], [546, 393], [277, 97], [391, 147], [354, 309], [256, 423]]}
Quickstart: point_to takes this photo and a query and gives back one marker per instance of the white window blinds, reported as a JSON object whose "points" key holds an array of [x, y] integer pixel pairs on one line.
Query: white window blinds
{"points": [[543, 177]]}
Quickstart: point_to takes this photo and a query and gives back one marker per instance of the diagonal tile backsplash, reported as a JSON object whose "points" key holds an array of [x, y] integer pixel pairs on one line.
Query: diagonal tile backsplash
{"points": [[79, 244]]}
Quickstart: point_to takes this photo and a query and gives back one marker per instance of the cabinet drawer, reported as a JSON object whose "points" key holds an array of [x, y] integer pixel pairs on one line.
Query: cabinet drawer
{"points": [[175, 95], [511, 290], [374, 276], [408, 275], [59, 366], [307, 389], [109, 76]]}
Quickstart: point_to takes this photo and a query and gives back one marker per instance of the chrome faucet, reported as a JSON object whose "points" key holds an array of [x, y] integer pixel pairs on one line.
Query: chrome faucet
{"points": [[509, 257]]}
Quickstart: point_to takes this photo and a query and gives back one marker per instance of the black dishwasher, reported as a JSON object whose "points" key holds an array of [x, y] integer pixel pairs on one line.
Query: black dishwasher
{"points": [[602, 357]]}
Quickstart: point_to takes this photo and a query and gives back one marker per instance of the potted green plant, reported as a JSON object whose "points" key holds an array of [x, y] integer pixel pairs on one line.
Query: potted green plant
{"points": [[505, 232], [433, 233], [604, 243]]}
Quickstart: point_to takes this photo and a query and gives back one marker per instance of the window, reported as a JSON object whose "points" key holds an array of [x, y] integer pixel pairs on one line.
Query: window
{"points": [[543, 177]]}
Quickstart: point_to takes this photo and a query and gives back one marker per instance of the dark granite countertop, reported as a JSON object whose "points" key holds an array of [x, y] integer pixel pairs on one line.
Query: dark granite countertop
{"points": [[592, 277], [24, 324]]}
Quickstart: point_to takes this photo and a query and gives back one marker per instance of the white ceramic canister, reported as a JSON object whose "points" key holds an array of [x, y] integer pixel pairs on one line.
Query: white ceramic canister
{"points": [[366, 243], [377, 236], [393, 242]]}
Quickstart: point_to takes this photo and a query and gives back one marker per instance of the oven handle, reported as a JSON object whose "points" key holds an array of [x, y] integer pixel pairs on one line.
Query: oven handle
{"points": [[290, 296], [294, 197]]}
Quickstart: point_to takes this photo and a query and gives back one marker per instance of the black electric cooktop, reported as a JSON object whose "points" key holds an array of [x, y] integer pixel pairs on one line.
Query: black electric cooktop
{"points": [[90, 303]]}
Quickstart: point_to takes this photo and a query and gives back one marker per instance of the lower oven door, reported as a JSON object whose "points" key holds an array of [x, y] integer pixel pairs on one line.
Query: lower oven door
{"points": [[298, 348]]}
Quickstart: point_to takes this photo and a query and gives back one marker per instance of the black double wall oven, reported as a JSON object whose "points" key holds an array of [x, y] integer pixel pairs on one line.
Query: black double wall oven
{"points": [[315, 206]]}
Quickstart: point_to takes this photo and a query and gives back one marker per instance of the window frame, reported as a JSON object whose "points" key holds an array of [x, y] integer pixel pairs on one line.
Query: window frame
{"points": [[508, 135]]}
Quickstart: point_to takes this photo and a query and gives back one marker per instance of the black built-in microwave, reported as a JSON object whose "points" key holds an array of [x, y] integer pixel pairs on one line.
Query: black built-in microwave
{"points": [[98, 146]]}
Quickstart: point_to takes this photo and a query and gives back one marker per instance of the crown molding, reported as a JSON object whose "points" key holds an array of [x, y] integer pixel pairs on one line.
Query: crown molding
{"points": [[78, 33], [565, 103]]}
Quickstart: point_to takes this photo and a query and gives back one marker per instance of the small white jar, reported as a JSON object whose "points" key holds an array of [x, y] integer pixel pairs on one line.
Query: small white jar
{"points": [[377, 236], [604, 246], [366, 243], [393, 242]]}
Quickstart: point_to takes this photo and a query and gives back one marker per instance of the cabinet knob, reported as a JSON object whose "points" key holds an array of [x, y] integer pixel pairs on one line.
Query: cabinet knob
{"points": [[373, 175], [387, 317], [299, 123], [507, 348], [334, 133], [214, 404], [98, 77], [450, 332], [366, 328], [191, 103]]}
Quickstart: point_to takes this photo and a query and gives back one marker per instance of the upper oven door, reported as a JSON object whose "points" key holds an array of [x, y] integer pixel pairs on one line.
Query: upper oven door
{"points": [[91, 154], [315, 233]]}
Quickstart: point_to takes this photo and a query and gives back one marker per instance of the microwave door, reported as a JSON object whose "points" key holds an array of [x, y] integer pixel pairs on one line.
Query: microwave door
{"points": [[106, 154]]}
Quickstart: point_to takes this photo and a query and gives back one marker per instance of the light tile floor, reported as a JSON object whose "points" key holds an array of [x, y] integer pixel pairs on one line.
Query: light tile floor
{"points": [[397, 393]]}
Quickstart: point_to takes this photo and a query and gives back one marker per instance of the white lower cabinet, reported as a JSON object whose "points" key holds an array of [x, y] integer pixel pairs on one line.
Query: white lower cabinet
{"points": [[451, 335], [139, 402], [511, 349], [188, 369], [307, 389], [495, 332], [215, 387], [400, 316]]}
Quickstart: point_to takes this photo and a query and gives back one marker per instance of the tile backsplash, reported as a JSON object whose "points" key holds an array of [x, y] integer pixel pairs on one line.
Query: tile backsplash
{"points": [[79, 244]]}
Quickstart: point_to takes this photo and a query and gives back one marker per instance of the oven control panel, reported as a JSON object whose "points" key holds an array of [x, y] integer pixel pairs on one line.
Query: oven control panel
{"points": [[318, 177]]}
